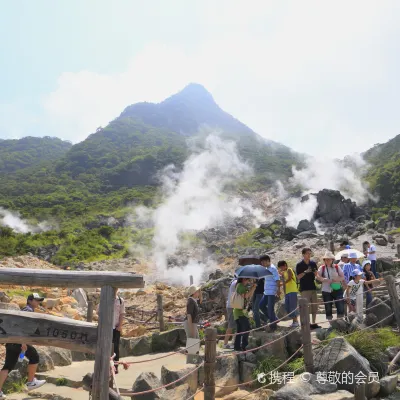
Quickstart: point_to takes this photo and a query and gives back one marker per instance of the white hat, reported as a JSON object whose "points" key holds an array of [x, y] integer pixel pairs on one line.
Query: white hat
{"points": [[345, 255], [353, 255], [357, 272], [193, 289], [328, 255], [366, 262]]}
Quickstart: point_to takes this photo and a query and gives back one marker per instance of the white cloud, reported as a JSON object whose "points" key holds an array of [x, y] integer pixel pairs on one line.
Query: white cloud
{"points": [[305, 73]]}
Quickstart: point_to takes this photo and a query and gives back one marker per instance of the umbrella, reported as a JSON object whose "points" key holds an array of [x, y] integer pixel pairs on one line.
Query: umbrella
{"points": [[252, 271], [338, 256]]}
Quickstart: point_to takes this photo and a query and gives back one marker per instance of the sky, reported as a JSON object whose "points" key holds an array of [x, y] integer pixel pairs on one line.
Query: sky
{"points": [[321, 77]]}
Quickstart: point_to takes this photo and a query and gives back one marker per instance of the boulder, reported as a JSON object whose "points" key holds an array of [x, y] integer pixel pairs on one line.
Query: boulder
{"points": [[339, 395], [340, 325], [280, 310], [251, 357], [171, 373], [147, 381], [9, 306], [179, 393], [391, 239], [167, 341], [386, 263], [79, 356], [340, 356], [391, 352], [135, 347], [305, 225], [50, 303], [243, 394], [4, 298], [381, 310], [276, 349], [246, 370], [388, 385], [381, 241], [80, 296], [226, 374], [303, 387], [332, 206], [288, 233], [50, 357], [293, 341]]}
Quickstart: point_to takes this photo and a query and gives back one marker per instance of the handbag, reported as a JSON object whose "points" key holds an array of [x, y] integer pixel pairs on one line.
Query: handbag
{"points": [[237, 300]]}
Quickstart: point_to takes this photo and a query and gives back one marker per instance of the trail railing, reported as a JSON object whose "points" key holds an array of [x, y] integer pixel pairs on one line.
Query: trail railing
{"points": [[44, 330]]}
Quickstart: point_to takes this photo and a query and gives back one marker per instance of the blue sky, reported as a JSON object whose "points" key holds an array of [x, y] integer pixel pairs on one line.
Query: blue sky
{"points": [[316, 76]]}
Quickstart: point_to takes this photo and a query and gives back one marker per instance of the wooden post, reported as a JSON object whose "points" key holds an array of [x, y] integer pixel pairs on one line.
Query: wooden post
{"points": [[306, 335], [160, 312], [394, 299], [191, 280], [101, 374], [359, 391], [209, 363], [89, 317]]}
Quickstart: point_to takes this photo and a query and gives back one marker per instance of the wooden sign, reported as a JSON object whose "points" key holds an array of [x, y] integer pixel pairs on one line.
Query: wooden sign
{"points": [[69, 279], [46, 330]]}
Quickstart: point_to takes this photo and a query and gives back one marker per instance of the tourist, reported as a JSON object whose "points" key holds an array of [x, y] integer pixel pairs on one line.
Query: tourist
{"points": [[306, 271], [369, 276], [119, 314], [257, 297], [229, 316], [350, 267], [242, 294], [371, 255], [331, 276], [192, 312], [271, 291], [355, 291], [344, 245], [290, 290], [344, 259], [14, 351]]}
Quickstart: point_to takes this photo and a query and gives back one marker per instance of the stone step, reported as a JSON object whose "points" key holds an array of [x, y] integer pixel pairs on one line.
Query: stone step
{"points": [[51, 392]]}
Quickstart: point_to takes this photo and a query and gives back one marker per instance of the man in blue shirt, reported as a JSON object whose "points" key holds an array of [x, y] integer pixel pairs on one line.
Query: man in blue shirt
{"points": [[271, 290], [349, 268]]}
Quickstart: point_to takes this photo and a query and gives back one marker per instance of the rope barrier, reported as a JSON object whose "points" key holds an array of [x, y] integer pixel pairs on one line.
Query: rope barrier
{"points": [[164, 386], [269, 384], [194, 395], [257, 348], [254, 380], [161, 357]]}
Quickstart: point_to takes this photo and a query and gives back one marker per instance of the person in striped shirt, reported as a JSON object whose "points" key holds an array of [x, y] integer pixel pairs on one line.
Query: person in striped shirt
{"points": [[348, 269]]}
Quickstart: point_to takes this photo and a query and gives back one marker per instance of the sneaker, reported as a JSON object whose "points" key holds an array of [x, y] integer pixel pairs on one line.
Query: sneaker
{"points": [[228, 346], [2, 396], [35, 384], [295, 325]]}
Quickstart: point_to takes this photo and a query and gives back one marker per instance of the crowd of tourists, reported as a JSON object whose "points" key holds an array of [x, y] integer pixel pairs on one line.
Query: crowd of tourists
{"points": [[343, 284]]}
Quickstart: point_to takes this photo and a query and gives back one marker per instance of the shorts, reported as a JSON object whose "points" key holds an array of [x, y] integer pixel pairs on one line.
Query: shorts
{"points": [[12, 355], [353, 302], [311, 296], [230, 318]]}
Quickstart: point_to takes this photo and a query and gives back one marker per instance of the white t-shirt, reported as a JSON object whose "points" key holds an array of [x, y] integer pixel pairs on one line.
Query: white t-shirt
{"points": [[231, 289], [356, 292], [372, 257], [119, 308]]}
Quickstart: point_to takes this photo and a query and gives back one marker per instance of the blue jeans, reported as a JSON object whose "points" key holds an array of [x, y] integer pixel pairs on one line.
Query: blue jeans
{"points": [[368, 296], [291, 304], [256, 310], [336, 296], [241, 341], [373, 268], [267, 306]]}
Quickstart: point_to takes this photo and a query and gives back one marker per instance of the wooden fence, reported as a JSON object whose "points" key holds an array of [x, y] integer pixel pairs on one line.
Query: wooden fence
{"points": [[20, 327]]}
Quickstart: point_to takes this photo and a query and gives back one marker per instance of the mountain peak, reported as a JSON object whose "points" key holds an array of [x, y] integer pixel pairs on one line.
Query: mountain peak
{"points": [[192, 92]]}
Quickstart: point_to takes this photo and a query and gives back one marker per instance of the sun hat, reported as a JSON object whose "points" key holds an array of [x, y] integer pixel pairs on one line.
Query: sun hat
{"points": [[357, 272], [193, 289], [353, 255], [328, 255], [366, 262], [35, 296]]}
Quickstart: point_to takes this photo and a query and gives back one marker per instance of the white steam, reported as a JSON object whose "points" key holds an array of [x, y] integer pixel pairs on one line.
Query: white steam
{"points": [[13, 220], [347, 176], [194, 200]]}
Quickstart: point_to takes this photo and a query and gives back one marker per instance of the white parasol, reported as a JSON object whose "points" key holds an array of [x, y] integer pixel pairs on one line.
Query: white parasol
{"points": [[338, 256]]}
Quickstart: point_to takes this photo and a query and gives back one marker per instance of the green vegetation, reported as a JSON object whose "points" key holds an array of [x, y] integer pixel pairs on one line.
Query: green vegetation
{"points": [[17, 386], [61, 382], [253, 237], [269, 364], [384, 175], [371, 344]]}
